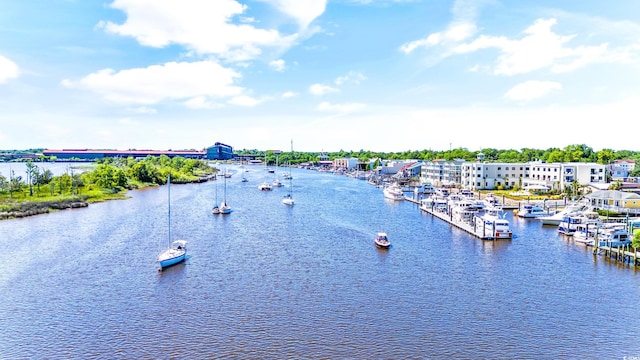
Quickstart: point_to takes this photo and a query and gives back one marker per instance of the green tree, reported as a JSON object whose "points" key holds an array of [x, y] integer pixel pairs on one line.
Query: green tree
{"points": [[605, 156], [636, 240]]}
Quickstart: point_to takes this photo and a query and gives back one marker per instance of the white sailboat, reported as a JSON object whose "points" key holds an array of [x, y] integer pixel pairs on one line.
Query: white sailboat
{"points": [[224, 207], [265, 186], [276, 181], [288, 199], [216, 208], [177, 251]]}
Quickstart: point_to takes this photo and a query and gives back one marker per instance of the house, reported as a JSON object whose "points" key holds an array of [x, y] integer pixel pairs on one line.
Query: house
{"points": [[620, 202], [621, 168]]}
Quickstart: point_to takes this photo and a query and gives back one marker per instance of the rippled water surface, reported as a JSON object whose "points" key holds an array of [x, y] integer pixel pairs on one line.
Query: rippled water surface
{"points": [[270, 281]]}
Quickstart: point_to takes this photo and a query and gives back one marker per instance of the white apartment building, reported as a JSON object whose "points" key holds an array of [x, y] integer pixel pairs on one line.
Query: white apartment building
{"points": [[441, 172], [530, 176], [560, 175], [484, 175]]}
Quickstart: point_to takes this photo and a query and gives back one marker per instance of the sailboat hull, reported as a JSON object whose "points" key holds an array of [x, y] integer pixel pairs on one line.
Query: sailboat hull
{"points": [[171, 257]]}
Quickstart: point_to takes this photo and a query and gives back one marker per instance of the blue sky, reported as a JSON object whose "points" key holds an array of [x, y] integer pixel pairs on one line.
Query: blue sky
{"points": [[378, 75]]}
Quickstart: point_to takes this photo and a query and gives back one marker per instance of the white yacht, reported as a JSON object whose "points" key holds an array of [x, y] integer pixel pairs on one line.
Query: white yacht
{"points": [[393, 192], [532, 211], [492, 224]]}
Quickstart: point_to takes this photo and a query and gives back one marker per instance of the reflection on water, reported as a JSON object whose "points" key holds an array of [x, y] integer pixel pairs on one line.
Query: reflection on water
{"points": [[272, 281]]}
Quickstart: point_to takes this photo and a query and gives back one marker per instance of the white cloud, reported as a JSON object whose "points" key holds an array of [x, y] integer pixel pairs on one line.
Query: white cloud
{"points": [[8, 70], [321, 89], [532, 89], [340, 108], [170, 81], [352, 76], [302, 11], [462, 27], [244, 100], [143, 110], [210, 27], [277, 65], [289, 94], [201, 102], [539, 48]]}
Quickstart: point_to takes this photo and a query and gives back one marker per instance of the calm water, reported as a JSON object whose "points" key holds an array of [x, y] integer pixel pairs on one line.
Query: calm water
{"points": [[270, 281]]}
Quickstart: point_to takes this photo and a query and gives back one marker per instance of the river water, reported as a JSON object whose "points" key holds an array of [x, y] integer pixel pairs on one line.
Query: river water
{"points": [[269, 281]]}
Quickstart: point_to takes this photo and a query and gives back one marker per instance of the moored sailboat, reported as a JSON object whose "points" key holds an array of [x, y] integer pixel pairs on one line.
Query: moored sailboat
{"points": [[177, 251]]}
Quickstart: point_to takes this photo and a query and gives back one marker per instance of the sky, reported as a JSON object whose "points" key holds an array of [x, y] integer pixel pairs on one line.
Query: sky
{"points": [[319, 75]]}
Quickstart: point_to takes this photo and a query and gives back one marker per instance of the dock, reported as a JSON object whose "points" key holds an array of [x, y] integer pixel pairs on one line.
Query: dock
{"points": [[621, 254], [469, 228]]}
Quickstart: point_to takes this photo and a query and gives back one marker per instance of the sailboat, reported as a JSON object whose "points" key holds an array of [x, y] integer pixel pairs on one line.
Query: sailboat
{"points": [[265, 186], [224, 207], [276, 181], [177, 251], [288, 199], [216, 208]]}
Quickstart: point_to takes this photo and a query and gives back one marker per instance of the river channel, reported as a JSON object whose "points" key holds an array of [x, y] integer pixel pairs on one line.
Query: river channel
{"points": [[273, 282]]}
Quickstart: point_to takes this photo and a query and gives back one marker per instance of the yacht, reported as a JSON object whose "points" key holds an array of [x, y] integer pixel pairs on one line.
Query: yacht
{"points": [[492, 224], [571, 223], [555, 219], [393, 192], [532, 211]]}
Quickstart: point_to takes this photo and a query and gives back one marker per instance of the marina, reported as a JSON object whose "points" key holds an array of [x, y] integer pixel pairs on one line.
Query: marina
{"points": [[274, 281]]}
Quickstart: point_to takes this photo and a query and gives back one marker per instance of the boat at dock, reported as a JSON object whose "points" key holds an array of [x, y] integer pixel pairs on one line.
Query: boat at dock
{"points": [[556, 219], [530, 211], [491, 224], [393, 192], [578, 221]]}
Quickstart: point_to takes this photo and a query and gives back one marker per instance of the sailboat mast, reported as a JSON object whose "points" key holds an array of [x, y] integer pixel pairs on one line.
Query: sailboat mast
{"points": [[169, 204]]}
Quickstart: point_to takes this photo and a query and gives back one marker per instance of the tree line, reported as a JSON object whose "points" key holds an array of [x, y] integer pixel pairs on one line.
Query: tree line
{"points": [[570, 153], [110, 175]]}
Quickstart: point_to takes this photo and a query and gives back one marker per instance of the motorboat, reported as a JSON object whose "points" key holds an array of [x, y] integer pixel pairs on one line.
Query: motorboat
{"points": [[530, 211], [616, 236], [393, 192], [573, 222], [382, 241], [264, 186], [491, 224], [555, 219]]}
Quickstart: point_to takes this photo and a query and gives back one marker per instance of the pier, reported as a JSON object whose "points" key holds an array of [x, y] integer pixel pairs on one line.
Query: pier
{"points": [[621, 254], [448, 217]]}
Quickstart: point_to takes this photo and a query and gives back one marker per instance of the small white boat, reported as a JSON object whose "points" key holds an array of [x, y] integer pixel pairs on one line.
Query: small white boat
{"points": [[288, 200], [264, 187], [382, 241]]}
